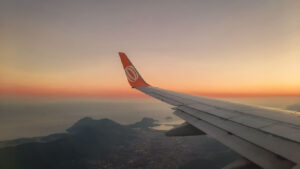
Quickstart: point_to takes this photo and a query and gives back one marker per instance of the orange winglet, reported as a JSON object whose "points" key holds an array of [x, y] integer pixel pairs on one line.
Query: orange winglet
{"points": [[133, 76]]}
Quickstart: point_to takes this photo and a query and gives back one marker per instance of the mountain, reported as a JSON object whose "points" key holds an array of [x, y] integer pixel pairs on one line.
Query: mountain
{"points": [[145, 123], [42, 139], [105, 144]]}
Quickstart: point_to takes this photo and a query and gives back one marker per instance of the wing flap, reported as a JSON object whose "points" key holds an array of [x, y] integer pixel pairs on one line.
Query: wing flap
{"points": [[278, 145], [281, 130], [254, 153]]}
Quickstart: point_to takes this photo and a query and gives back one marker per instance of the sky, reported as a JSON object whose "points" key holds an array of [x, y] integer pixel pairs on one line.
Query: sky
{"points": [[206, 47]]}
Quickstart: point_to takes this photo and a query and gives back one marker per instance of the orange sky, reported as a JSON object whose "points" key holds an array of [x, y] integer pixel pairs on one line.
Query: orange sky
{"points": [[211, 48]]}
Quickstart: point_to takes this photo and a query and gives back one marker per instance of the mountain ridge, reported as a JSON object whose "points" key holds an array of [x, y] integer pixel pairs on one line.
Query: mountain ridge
{"points": [[103, 143]]}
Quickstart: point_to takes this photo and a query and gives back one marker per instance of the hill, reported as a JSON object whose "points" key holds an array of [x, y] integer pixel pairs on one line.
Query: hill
{"points": [[91, 144]]}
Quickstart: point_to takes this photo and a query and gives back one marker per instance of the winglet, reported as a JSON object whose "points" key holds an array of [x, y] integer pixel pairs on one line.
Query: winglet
{"points": [[133, 76]]}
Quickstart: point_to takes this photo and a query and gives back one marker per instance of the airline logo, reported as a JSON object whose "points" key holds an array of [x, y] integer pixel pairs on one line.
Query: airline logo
{"points": [[131, 73]]}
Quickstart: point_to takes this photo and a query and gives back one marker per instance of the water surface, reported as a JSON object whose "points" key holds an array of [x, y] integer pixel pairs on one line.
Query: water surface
{"points": [[28, 117]]}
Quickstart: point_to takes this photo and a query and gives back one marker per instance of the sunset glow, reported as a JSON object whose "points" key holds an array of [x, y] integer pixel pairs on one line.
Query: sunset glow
{"points": [[250, 48]]}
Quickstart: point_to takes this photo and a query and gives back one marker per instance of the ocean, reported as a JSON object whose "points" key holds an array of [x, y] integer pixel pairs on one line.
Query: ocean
{"points": [[30, 117]]}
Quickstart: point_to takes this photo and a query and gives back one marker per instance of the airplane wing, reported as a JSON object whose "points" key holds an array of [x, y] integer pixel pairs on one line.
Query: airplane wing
{"points": [[269, 138]]}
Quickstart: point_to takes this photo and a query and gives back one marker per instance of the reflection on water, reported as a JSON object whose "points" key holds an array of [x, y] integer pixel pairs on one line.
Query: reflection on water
{"points": [[37, 117], [167, 125]]}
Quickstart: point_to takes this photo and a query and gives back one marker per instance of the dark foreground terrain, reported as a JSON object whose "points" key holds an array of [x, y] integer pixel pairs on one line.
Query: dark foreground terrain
{"points": [[105, 144]]}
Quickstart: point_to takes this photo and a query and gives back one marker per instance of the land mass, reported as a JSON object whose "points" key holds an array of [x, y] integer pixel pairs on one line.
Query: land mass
{"points": [[105, 144]]}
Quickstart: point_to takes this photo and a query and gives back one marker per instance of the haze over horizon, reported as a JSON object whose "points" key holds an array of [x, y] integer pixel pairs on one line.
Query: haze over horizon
{"points": [[212, 48]]}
